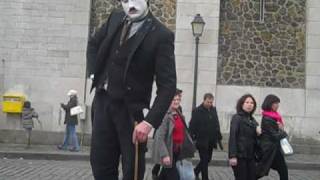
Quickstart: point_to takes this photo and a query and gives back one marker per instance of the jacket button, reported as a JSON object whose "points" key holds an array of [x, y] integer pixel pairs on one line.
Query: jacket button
{"points": [[117, 51], [129, 88]]}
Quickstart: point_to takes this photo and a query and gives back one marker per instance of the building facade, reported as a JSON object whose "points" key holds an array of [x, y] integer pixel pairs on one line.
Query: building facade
{"points": [[248, 46]]}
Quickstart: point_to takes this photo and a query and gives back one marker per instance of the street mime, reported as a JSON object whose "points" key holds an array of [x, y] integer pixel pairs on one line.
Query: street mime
{"points": [[130, 51]]}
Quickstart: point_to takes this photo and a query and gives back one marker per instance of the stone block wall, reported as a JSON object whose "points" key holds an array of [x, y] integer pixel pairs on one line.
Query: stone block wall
{"points": [[299, 102], [262, 47], [42, 53], [164, 10]]}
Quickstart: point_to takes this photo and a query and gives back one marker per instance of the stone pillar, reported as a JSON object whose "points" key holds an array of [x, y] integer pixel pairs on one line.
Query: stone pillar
{"points": [[311, 125], [185, 49]]}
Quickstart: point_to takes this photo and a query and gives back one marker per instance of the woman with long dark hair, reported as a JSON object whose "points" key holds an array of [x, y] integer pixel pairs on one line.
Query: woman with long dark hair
{"points": [[272, 126], [244, 130]]}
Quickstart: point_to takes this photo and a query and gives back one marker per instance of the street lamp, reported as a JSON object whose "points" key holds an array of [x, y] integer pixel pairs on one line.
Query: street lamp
{"points": [[197, 30]]}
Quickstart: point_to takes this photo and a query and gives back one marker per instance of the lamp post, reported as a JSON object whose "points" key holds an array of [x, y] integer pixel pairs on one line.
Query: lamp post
{"points": [[197, 30]]}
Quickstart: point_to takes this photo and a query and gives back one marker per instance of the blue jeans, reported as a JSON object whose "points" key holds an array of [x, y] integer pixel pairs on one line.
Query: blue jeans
{"points": [[71, 136]]}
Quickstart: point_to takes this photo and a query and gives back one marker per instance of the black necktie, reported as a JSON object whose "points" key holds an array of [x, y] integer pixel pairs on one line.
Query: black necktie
{"points": [[125, 31]]}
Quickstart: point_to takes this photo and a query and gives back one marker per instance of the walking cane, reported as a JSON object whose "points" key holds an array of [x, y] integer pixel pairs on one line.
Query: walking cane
{"points": [[136, 157]]}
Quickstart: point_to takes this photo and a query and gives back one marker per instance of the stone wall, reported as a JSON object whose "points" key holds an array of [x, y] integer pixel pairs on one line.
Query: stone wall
{"points": [[262, 51], [42, 53], [164, 10]]}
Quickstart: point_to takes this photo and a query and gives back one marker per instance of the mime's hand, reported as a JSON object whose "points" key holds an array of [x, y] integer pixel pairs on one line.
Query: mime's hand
{"points": [[140, 132]]}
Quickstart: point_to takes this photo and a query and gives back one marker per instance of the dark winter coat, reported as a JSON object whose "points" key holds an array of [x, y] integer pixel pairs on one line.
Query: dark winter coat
{"points": [[269, 142], [243, 136], [70, 120], [151, 58], [205, 127]]}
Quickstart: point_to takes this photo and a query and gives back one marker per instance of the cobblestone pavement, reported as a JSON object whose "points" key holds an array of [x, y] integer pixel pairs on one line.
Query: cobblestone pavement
{"points": [[18, 169]]}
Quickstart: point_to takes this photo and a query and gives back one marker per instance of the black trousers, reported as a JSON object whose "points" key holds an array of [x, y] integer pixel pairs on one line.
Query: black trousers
{"points": [[205, 153], [245, 169], [170, 173], [279, 164], [111, 138]]}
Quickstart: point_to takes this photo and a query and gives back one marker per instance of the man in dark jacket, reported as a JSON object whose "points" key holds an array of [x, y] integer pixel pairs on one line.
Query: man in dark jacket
{"points": [[205, 130], [131, 50]]}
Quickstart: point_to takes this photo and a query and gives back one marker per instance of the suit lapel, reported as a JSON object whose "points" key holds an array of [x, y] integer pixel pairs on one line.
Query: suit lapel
{"points": [[140, 35], [113, 27], [117, 21], [115, 24]]}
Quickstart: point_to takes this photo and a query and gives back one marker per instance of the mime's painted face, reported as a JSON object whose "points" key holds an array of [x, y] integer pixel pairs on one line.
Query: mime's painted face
{"points": [[134, 8]]}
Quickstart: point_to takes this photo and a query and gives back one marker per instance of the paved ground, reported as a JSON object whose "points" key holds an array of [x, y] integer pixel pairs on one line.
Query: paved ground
{"points": [[50, 152], [19, 169]]}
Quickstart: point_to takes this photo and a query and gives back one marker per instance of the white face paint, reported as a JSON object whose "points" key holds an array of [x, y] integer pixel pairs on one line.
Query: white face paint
{"points": [[134, 8]]}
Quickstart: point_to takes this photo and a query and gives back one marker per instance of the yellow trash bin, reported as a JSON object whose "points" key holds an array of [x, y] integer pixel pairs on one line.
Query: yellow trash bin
{"points": [[13, 102]]}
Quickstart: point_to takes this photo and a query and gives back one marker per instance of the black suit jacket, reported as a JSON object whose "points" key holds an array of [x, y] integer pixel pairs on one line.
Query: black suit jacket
{"points": [[150, 58]]}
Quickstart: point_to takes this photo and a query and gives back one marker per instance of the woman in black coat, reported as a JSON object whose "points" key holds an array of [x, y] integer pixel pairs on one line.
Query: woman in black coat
{"points": [[272, 132], [244, 130]]}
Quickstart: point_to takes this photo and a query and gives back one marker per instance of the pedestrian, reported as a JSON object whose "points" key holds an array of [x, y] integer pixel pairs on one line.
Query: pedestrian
{"points": [[70, 121], [130, 51], [205, 130], [172, 142], [272, 126], [244, 131], [156, 168], [27, 116]]}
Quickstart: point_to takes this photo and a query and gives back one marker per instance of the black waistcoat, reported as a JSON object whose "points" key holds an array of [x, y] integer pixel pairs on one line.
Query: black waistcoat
{"points": [[117, 60]]}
